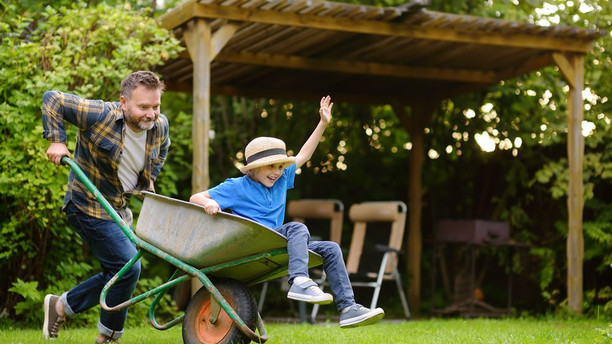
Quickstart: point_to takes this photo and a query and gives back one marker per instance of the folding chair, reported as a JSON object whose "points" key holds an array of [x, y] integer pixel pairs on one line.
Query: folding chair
{"points": [[393, 213], [328, 210], [325, 209]]}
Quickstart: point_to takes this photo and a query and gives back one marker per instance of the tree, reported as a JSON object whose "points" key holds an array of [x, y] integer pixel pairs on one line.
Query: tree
{"points": [[83, 50]]}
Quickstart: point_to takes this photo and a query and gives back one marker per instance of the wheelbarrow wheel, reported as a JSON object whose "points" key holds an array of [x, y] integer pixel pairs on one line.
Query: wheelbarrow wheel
{"points": [[197, 325]]}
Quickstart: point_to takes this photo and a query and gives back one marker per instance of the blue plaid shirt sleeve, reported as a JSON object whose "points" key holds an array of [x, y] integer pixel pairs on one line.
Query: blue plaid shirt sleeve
{"points": [[58, 106]]}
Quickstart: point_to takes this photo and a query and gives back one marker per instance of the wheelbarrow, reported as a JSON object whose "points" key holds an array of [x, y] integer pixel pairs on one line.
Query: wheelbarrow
{"points": [[227, 253]]}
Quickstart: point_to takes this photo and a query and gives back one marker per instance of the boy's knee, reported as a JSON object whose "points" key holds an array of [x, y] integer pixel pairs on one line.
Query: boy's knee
{"points": [[298, 228], [334, 248]]}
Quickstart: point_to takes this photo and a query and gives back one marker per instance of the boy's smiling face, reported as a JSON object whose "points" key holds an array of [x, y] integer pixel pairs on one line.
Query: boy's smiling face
{"points": [[267, 175]]}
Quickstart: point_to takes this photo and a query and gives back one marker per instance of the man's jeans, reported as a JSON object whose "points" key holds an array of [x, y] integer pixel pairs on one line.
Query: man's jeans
{"points": [[113, 249], [298, 244]]}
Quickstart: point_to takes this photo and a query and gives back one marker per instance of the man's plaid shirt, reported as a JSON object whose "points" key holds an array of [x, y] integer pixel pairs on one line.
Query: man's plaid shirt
{"points": [[101, 129]]}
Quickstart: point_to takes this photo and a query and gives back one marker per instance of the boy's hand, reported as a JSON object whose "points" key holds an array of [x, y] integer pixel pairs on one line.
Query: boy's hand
{"points": [[212, 207], [325, 110]]}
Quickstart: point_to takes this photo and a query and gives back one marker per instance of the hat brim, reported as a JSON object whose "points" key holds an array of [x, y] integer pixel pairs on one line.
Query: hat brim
{"points": [[269, 160]]}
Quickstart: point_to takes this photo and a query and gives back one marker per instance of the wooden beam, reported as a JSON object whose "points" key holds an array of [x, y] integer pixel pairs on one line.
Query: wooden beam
{"points": [[357, 67], [575, 197], [566, 67], [218, 41], [530, 65], [220, 38], [184, 13], [178, 15], [308, 95], [190, 37]]}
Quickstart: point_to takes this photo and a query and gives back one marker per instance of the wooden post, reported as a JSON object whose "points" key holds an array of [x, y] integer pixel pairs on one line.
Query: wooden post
{"points": [[415, 123], [203, 47], [572, 68], [198, 41]]}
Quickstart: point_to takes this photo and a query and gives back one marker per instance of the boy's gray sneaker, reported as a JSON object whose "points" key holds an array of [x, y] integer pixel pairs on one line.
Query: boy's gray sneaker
{"points": [[358, 315], [53, 321], [309, 291]]}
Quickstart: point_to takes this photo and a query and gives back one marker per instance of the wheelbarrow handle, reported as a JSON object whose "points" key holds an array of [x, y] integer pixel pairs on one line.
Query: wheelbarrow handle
{"points": [[91, 187]]}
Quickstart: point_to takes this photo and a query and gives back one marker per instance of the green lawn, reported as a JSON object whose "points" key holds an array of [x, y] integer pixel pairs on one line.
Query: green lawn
{"points": [[515, 331]]}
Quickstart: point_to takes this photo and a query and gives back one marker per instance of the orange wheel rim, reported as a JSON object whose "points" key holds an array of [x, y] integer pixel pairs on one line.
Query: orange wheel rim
{"points": [[208, 332]]}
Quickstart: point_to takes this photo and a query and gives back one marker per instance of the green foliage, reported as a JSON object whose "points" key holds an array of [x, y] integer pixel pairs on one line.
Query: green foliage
{"points": [[29, 291], [176, 172], [79, 49], [599, 302]]}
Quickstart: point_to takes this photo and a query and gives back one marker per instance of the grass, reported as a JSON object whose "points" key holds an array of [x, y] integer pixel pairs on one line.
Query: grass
{"points": [[447, 331]]}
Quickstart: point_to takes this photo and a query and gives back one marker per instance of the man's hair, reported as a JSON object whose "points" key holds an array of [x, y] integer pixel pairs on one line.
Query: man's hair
{"points": [[145, 78]]}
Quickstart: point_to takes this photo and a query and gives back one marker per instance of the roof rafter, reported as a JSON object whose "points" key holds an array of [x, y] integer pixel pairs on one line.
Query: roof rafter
{"points": [[189, 10], [357, 67], [306, 95]]}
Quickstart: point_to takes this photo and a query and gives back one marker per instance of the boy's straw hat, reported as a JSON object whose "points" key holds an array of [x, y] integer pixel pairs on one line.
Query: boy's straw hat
{"points": [[264, 151]]}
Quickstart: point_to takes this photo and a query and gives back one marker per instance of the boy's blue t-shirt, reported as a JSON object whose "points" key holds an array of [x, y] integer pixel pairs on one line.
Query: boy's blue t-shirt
{"points": [[253, 200]]}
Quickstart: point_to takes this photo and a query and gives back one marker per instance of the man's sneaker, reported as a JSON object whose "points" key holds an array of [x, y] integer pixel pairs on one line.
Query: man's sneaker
{"points": [[358, 315], [53, 321], [308, 291], [107, 340]]}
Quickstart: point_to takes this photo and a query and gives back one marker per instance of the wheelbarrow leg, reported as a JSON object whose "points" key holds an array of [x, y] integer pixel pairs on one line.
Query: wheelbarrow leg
{"points": [[215, 309]]}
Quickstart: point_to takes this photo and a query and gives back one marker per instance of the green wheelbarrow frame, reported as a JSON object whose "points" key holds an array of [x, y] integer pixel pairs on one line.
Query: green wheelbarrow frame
{"points": [[264, 259]]}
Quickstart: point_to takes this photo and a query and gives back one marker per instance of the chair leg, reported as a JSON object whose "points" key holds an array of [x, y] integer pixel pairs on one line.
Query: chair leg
{"points": [[379, 280], [400, 288], [313, 314], [262, 297], [302, 312]]}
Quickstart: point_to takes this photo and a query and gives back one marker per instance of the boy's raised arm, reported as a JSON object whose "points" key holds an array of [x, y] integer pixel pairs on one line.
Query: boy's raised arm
{"points": [[308, 148]]}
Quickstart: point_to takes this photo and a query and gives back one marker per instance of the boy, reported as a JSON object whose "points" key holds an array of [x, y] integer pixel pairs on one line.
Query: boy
{"points": [[261, 196]]}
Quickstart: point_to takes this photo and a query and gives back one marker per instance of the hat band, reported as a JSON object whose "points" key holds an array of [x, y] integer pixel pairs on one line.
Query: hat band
{"points": [[265, 153]]}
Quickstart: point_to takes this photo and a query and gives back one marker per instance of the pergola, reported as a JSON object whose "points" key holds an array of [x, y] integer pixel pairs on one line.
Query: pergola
{"points": [[405, 56]]}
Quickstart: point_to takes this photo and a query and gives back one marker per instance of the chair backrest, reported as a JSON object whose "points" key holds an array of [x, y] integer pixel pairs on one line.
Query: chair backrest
{"points": [[327, 209], [392, 212]]}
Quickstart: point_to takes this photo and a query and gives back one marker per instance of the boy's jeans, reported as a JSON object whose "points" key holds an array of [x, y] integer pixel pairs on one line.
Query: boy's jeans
{"points": [[298, 243], [113, 249]]}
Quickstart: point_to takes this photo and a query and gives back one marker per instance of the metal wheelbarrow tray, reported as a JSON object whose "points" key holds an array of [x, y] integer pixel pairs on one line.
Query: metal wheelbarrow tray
{"points": [[234, 251], [185, 231]]}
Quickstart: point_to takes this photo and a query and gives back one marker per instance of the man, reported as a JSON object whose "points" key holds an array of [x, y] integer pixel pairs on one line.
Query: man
{"points": [[121, 147]]}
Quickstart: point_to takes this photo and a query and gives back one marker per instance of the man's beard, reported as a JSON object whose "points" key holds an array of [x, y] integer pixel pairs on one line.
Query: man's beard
{"points": [[142, 125]]}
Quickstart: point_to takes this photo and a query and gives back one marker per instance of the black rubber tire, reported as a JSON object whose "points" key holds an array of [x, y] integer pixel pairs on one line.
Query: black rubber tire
{"points": [[197, 329]]}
